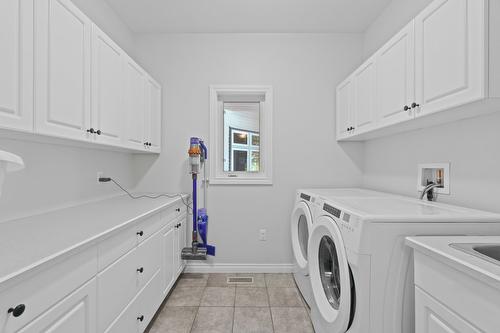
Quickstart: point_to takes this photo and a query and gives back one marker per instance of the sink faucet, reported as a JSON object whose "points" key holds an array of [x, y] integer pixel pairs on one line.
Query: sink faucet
{"points": [[429, 190]]}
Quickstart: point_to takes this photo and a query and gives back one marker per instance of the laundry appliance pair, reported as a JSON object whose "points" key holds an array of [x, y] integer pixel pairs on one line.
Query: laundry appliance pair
{"points": [[351, 264]]}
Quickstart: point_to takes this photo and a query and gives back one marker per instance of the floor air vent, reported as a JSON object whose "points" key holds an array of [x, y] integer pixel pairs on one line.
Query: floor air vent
{"points": [[240, 280]]}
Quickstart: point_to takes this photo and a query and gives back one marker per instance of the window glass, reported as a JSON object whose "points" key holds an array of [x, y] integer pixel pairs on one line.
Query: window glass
{"points": [[241, 136]]}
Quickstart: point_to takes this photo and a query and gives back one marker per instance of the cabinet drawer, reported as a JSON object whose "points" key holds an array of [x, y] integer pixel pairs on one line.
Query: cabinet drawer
{"points": [[42, 290], [117, 285], [173, 212], [116, 246], [149, 258], [145, 304], [148, 227]]}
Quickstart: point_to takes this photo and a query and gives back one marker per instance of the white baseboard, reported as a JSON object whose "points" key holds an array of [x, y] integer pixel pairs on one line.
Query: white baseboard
{"points": [[201, 267]]}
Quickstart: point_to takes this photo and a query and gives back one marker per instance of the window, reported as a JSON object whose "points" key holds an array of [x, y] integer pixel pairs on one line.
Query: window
{"points": [[240, 135]]}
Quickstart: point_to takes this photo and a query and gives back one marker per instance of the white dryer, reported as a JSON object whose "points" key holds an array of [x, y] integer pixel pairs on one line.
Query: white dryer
{"points": [[361, 273], [302, 221]]}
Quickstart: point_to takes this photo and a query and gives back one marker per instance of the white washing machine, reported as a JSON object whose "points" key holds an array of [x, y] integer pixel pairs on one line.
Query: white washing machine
{"points": [[302, 221], [361, 272]]}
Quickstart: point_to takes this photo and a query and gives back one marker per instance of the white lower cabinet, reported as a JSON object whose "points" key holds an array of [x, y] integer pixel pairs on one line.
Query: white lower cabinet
{"points": [[116, 285], [76, 313]]}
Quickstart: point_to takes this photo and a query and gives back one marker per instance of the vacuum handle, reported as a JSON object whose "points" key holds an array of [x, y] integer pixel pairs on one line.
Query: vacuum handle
{"points": [[204, 149]]}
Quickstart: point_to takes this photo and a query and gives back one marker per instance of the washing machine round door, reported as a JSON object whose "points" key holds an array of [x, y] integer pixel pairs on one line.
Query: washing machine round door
{"points": [[330, 276], [301, 227]]}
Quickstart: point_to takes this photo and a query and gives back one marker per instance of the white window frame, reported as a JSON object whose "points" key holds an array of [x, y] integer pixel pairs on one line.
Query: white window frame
{"points": [[217, 174]]}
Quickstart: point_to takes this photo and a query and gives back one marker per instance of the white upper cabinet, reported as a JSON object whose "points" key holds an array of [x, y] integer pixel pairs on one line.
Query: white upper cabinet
{"points": [[395, 78], [16, 64], [450, 38], [364, 97], [135, 104], [62, 69], [107, 89], [446, 61], [345, 101], [152, 121]]}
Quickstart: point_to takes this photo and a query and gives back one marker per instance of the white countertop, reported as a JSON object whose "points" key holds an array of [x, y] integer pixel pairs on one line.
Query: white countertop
{"points": [[29, 242], [438, 247]]}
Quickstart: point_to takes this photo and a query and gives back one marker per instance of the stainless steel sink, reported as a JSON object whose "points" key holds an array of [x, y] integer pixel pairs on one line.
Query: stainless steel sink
{"points": [[489, 252]]}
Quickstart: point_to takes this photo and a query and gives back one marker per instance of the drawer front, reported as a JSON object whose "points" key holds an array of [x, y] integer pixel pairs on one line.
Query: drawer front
{"points": [[142, 307], [148, 227], [117, 286], [76, 313], [44, 289], [149, 258], [173, 212], [116, 246]]}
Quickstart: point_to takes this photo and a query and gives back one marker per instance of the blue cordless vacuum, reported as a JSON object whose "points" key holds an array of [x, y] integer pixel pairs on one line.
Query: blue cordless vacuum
{"points": [[198, 154]]}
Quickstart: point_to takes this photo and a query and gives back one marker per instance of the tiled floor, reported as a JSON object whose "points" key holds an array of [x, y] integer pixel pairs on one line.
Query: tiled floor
{"points": [[207, 303]]}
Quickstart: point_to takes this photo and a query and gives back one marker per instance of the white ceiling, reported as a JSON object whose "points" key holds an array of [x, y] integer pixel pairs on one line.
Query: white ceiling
{"points": [[248, 15]]}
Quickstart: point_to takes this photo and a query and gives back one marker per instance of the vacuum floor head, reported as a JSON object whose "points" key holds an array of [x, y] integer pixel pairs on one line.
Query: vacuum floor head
{"points": [[199, 254]]}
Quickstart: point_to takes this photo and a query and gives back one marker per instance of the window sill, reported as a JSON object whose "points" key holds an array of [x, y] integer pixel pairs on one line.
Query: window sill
{"points": [[240, 181]]}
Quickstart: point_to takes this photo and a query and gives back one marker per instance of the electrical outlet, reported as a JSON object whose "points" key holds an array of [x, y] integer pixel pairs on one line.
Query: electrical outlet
{"points": [[100, 174], [262, 234]]}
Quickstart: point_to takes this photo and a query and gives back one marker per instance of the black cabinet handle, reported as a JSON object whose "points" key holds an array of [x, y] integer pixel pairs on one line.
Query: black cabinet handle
{"points": [[98, 132], [414, 105], [149, 144], [140, 318], [177, 209], [91, 130], [18, 310], [406, 108], [140, 233], [140, 270]]}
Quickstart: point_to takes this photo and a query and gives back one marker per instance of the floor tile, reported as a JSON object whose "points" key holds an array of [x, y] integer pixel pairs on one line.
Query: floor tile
{"points": [[252, 320], [218, 296], [284, 297], [259, 280], [185, 296], [291, 320], [219, 280], [279, 281], [214, 320], [192, 280], [251, 297], [174, 320]]}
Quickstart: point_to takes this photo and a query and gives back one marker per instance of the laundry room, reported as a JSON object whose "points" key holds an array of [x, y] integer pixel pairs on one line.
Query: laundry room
{"points": [[239, 166]]}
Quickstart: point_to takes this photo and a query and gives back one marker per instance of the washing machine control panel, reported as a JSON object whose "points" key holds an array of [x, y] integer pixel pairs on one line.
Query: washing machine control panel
{"points": [[332, 210]]}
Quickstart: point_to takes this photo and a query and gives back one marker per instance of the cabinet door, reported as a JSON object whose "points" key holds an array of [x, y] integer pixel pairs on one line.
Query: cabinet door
{"points": [[153, 115], [364, 97], [182, 244], [450, 54], [344, 108], [76, 314], [396, 78], [16, 64], [432, 316], [168, 258], [107, 88], [62, 69], [135, 104]]}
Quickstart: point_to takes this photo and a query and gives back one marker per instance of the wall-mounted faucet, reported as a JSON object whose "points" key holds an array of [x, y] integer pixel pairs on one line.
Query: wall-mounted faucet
{"points": [[429, 190]]}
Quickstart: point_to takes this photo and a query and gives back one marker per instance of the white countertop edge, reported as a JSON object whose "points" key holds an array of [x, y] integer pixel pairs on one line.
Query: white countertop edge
{"points": [[6, 279], [475, 267]]}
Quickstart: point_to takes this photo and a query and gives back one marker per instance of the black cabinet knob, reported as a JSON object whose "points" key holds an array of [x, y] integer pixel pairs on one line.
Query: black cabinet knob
{"points": [[140, 318], [91, 130], [406, 108], [177, 209], [149, 144], [18, 310], [140, 233], [414, 105], [140, 270], [98, 132]]}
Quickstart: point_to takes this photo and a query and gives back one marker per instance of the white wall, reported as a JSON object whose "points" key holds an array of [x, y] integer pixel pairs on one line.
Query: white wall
{"points": [[472, 146], [55, 175], [304, 70]]}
